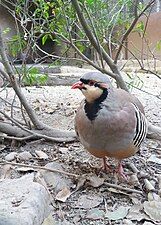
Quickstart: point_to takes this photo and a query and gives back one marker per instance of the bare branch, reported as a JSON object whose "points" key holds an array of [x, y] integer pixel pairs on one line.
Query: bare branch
{"points": [[103, 70], [30, 137], [131, 27], [98, 48], [11, 78]]}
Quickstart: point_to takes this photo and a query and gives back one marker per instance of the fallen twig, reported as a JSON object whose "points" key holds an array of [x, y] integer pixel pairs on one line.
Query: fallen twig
{"points": [[18, 138], [123, 188], [38, 168]]}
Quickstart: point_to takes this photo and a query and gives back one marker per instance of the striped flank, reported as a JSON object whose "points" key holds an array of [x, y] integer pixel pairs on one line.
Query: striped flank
{"points": [[141, 127]]}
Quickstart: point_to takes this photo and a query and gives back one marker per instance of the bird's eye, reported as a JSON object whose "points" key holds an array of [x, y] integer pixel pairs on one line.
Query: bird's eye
{"points": [[91, 83]]}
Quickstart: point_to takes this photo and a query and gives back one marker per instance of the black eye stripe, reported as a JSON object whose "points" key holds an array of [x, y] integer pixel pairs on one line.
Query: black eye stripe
{"points": [[84, 81], [96, 85], [92, 83]]}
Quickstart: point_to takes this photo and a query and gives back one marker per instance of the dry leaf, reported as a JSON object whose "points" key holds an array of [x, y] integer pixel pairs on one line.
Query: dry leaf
{"points": [[118, 214], [41, 154], [80, 183], [95, 181], [57, 181], [153, 210], [63, 195], [95, 214], [135, 213], [89, 201]]}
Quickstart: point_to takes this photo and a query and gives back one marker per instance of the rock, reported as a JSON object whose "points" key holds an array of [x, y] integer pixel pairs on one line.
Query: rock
{"points": [[23, 201], [41, 154], [24, 156], [11, 156]]}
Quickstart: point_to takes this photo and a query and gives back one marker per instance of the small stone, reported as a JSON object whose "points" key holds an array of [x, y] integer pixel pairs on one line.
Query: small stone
{"points": [[128, 222], [24, 156], [134, 179], [41, 154], [63, 150], [142, 174], [148, 185], [11, 156]]}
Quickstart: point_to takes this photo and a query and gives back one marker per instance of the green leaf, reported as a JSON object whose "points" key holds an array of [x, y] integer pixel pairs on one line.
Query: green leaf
{"points": [[44, 38], [140, 27], [158, 45], [90, 1], [7, 30], [33, 70]]}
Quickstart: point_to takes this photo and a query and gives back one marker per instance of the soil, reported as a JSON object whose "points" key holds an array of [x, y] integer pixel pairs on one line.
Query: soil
{"points": [[88, 204]]}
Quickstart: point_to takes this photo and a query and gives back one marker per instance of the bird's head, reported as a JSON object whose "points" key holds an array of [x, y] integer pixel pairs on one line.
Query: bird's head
{"points": [[93, 85]]}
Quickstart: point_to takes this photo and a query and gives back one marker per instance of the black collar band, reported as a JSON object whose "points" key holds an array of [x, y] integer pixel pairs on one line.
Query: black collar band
{"points": [[92, 109]]}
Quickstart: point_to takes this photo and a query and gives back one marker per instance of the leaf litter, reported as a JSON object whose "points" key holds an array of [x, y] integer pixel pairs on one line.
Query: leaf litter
{"points": [[120, 213]]}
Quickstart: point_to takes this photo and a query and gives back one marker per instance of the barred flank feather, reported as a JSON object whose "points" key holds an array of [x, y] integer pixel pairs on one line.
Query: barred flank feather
{"points": [[141, 127]]}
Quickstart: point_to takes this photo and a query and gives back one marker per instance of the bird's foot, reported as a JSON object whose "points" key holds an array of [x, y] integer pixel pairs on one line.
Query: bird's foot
{"points": [[120, 171], [106, 167]]}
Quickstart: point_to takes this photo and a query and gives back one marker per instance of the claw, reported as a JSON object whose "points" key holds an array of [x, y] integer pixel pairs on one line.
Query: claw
{"points": [[106, 166], [120, 171]]}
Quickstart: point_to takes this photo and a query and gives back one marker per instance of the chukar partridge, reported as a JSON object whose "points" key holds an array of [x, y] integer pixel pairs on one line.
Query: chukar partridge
{"points": [[110, 122]]}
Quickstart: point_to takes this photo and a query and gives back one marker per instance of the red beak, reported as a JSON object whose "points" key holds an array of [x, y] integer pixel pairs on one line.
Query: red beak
{"points": [[77, 85]]}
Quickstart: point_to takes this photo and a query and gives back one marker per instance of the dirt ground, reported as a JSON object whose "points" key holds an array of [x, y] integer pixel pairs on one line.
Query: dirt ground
{"points": [[89, 199]]}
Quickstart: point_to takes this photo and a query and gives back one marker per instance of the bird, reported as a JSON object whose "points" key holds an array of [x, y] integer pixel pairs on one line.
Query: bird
{"points": [[110, 122]]}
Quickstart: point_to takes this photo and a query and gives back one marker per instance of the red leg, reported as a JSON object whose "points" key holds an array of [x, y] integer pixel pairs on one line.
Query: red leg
{"points": [[120, 170], [106, 166]]}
